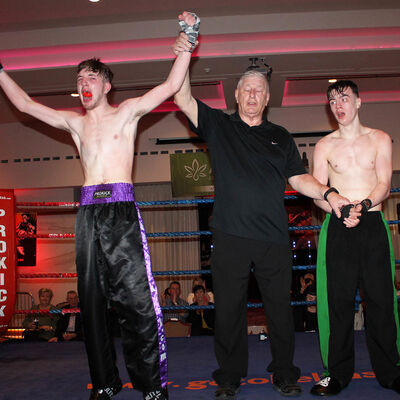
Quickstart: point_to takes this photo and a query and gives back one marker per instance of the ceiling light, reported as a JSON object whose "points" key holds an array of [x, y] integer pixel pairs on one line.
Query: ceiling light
{"points": [[332, 80], [94, 1], [74, 94]]}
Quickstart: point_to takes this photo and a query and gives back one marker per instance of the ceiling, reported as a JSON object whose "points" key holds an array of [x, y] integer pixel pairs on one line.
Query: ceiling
{"points": [[304, 41], [22, 15]]}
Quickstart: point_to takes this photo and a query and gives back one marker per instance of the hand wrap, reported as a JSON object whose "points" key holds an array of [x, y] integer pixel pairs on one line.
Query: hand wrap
{"points": [[192, 32], [366, 204], [345, 211], [330, 190]]}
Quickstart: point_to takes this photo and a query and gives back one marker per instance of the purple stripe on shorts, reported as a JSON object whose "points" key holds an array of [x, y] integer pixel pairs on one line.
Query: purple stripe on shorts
{"points": [[162, 341], [106, 193]]}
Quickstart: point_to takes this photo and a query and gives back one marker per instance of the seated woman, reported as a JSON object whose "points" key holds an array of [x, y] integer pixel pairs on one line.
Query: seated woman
{"points": [[41, 327], [196, 282], [202, 320]]}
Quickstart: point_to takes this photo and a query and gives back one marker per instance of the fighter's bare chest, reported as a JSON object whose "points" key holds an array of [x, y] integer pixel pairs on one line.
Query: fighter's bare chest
{"points": [[355, 156]]}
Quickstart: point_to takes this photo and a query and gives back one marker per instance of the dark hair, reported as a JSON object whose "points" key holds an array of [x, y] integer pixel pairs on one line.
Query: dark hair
{"points": [[95, 65], [175, 283], [199, 287], [341, 86]]}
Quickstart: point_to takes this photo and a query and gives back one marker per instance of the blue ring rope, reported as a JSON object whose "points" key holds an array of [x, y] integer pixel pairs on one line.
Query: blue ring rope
{"points": [[205, 201]]}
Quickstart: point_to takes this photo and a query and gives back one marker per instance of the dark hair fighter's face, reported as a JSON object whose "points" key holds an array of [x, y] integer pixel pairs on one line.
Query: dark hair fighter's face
{"points": [[91, 88], [344, 106]]}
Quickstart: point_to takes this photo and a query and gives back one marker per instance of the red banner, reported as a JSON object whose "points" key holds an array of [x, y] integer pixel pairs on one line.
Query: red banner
{"points": [[8, 281]]}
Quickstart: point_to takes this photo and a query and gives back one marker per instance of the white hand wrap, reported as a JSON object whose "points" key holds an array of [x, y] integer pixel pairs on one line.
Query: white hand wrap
{"points": [[192, 32]]}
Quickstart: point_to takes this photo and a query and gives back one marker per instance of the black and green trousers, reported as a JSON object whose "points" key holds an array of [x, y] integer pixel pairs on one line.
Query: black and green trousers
{"points": [[350, 258]]}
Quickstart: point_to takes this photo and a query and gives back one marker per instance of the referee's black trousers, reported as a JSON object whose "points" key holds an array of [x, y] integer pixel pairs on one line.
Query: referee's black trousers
{"points": [[231, 260]]}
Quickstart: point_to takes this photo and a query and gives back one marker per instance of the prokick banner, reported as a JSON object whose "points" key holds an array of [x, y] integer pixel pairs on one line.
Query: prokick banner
{"points": [[7, 257]]}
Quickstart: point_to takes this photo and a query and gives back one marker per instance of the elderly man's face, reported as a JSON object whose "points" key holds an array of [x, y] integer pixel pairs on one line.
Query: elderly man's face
{"points": [[252, 96]]}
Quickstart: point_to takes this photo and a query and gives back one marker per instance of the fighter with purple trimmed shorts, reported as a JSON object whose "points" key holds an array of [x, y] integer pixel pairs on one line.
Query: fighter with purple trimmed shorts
{"points": [[114, 270], [113, 261]]}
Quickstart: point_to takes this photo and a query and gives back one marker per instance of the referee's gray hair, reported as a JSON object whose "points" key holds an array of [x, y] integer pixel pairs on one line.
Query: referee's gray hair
{"points": [[252, 72]]}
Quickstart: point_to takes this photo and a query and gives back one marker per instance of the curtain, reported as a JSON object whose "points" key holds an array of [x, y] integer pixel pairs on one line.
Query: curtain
{"points": [[170, 254]]}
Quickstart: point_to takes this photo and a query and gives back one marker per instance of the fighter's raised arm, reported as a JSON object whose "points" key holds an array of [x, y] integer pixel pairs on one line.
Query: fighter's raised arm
{"points": [[142, 105], [24, 103], [183, 98]]}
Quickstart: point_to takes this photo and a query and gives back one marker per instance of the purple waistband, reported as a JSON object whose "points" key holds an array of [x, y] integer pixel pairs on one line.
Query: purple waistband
{"points": [[106, 193]]}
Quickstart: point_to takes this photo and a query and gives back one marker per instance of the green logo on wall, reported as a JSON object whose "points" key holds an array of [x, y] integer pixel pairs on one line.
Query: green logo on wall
{"points": [[191, 174]]}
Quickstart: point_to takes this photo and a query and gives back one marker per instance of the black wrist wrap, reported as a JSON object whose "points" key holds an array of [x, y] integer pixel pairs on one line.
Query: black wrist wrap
{"points": [[330, 190], [366, 204]]}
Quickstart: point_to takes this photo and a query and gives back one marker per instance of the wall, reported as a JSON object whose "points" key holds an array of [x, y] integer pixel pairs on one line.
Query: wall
{"points": [[47, 157]]}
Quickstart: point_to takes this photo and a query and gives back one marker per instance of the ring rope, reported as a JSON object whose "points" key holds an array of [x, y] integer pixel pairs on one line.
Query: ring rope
{"points": [[289, 195], [156, 273], [164, 308], [184, 234]]}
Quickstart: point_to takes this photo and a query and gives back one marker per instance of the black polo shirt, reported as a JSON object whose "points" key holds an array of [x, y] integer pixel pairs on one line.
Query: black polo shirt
{"points": [[249, 166]]}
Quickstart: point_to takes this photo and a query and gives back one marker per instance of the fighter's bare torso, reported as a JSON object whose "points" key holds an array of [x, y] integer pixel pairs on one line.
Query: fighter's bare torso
{"points": [[106, 146], [352, 162]]}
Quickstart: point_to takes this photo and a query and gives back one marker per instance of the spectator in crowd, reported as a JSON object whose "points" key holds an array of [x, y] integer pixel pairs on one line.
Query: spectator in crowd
{"points": [[202, 320], [164, 296], [175, 300], [305, 289], [199, 281], [308, 321], [305, 281], [41, 327], [69, 325]]}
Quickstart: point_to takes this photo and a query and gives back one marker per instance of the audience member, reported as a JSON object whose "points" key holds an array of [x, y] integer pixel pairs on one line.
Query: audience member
{"points": [[199, 281], [305, 317], [41, 327], [310, 312], [305, 281], [175, 300], [164, 296], [69, 326], [202, 320]]}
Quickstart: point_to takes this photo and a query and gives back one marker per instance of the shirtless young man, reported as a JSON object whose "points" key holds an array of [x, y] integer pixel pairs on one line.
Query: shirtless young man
{"points": [[355, 251], [112, 257]]}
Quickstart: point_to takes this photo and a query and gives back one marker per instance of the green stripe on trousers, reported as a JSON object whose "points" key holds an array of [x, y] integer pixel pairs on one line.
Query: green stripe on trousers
{"points": [[322, 295]]}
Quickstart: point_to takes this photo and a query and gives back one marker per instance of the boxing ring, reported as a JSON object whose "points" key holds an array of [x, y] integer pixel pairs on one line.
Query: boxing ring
{"points": [[60, 370]]}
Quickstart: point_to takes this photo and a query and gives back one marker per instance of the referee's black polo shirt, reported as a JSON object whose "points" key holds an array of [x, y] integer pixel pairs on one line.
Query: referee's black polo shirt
{"points": [[249, 166]]}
